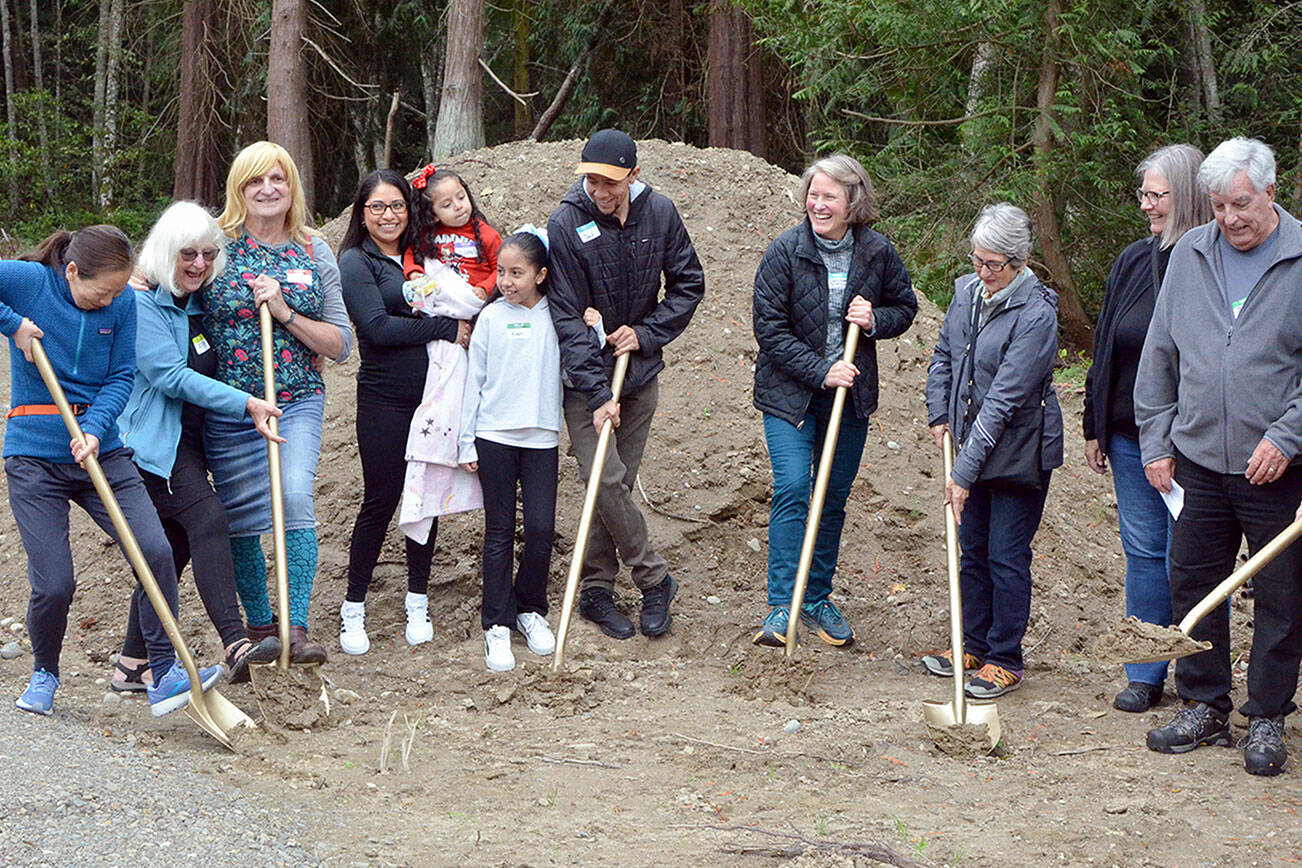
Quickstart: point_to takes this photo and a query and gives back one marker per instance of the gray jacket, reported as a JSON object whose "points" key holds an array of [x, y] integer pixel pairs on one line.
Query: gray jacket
{"points": [[1212, 386], [1013, 357]]}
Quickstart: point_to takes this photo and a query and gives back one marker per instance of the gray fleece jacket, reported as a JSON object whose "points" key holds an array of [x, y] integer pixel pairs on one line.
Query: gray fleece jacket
{"points": [[1213, 386]]}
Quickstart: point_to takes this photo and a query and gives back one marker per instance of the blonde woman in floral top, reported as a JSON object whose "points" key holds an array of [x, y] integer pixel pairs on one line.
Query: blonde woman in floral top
{"points": [[272, 259]]}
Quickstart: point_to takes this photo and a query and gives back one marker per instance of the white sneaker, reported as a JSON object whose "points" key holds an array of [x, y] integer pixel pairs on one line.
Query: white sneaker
{"points": [[352, 635], [497, 649], [536, 632], [419, 627]]}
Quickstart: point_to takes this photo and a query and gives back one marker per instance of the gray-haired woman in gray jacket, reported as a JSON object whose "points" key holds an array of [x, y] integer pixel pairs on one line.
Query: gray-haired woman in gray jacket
{"points": [[991, 384]]}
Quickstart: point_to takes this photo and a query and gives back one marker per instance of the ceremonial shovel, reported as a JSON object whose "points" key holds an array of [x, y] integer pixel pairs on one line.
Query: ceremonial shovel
{"points": [[960, 710], [214, 713], [585, 517]]}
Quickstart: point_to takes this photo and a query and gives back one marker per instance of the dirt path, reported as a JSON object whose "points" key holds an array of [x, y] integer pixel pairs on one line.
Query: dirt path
{"points": [[676, 752]]}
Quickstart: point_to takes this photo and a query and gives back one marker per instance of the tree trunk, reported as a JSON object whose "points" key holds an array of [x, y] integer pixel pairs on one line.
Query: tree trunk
{"points": [[11, 120], [42, 126], [1204, 63], [461, 114], [97, 167], [1072, 318], [389, 122], [520, 78], [735, 82], [429, 76], [117, 12], [977, 86], [287, 114], [558, 102], [196, 174]]}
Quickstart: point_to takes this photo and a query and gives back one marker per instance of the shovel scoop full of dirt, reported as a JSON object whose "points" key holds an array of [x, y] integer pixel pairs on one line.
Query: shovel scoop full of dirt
{"points": [[1136, 641]]}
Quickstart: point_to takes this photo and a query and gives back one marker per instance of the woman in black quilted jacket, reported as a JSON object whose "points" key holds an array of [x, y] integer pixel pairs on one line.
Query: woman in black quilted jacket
{"points": [[816, 279]]}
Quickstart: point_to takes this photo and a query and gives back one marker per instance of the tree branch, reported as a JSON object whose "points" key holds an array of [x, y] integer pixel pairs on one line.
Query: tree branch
{"points": [[947, 122], [518, 97]]}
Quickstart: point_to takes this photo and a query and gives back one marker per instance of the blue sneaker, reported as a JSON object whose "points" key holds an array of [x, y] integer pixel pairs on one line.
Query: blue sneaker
{"points": [[825, 619], [39, 695], [172, 691], [773, 632]]}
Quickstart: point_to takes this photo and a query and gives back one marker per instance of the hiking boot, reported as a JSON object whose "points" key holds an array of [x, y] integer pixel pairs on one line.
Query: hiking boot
{"points": [[1138, 696], [773, 632], [991, 681], [943, 664], [238, 660], [497, 649], [825, 619], [536, 632], [656, 617], [39, 695], [1263, 746], [259, 632], [172, 691], [302, 650], [352, 629], [1194, 725], [419, 627], [598, 606]]}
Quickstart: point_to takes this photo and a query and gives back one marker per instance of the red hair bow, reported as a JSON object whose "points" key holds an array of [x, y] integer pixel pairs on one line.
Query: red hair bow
{"points": [[422, 177]]}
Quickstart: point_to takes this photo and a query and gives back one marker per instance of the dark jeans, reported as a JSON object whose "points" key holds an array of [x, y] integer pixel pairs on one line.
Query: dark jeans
{"points": [[995, 570], [1219, 510], [39, 494], [382, 444], [195, 523], [500, 468]]}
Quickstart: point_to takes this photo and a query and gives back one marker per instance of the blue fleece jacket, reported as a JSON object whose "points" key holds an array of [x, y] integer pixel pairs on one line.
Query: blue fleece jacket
{"points": [[93, 353], [151, 424]]}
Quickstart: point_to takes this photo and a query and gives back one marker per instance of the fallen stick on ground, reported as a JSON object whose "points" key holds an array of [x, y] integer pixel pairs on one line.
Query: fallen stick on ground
{"points": [[666, 512], [715, 744], [868, 849]]}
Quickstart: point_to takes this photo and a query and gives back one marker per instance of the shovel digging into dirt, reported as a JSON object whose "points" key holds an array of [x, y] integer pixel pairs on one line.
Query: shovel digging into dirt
{"points": [[960, 726], [585, 517], [215, 714], [820, 495], [283, 696], [1136, 641]]}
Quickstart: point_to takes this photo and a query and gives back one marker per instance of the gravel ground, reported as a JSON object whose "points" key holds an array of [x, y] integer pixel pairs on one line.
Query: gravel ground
{"points": [[71, 796]]}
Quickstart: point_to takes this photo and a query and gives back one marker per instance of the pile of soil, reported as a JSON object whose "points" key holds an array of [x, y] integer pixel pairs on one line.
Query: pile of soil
{"points": [[681, 749]]}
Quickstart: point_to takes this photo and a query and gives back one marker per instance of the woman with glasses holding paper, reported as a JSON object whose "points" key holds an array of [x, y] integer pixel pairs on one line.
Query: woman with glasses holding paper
{"points": [[990, 384], [1171, 200]]}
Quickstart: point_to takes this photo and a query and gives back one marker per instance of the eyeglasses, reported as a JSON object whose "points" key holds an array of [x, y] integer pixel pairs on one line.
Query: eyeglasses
{"points": [[189, 254], [377, 208], [1150, 197], [995, 267]]}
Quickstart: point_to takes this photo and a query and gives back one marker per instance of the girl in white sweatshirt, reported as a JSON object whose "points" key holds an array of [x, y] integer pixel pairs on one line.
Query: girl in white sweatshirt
{"points": [[510, 425]]}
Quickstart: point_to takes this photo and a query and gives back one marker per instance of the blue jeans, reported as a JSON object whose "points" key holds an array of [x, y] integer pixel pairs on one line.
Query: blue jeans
{"points": [[794, 454], [995, 570], [1145, 537]]}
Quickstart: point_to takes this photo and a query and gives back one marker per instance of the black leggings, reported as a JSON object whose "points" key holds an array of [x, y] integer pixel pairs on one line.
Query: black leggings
{"points": [[501, 467], [382, 445]]}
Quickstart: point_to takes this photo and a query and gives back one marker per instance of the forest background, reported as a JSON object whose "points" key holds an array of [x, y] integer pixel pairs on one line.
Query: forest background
{"points": [[114, 108]]}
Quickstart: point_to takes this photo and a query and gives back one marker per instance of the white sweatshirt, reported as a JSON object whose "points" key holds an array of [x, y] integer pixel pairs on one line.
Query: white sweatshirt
{"points": [[513, 385]]}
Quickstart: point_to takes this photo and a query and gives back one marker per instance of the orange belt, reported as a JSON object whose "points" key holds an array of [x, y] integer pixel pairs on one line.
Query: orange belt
{"points": [[44, 410]]}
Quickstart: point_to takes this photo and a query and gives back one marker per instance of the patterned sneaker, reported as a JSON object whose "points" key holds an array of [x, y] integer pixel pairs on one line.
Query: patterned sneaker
{"points": [[497, 649], [173, 690], [991, 681], [825, 619], [943, 664], [419, 627], [39, 695], [1194, 725], [536, 632], [1263, 747], [352, 629], [773, 632]]}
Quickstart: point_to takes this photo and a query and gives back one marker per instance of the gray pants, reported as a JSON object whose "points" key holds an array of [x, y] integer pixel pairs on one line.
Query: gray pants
{"points": [[619, 526], [39, 494]]}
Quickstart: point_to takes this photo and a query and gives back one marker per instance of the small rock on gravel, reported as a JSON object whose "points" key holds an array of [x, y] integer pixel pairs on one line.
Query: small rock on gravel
{"points": [[11, 650], [792, 726]]}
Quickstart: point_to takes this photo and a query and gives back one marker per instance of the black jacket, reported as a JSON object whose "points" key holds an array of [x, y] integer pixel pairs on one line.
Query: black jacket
{"points": [[618, 272], [790, 318], [1139, 268], [390, 335]]}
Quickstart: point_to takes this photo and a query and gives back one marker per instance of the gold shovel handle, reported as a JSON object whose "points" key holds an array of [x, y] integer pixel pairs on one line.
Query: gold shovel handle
{"points": [[955, 587], [277, 488], [1239, 577]]}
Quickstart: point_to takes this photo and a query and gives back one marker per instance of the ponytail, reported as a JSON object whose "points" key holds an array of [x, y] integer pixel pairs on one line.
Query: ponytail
{"points": [[94, 249]]}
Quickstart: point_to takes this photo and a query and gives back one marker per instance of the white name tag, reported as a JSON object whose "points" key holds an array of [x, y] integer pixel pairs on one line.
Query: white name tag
{"points": [[201, 344], [836, 280], [465, 248], [588, 231], [517, 331], [301, 276]]}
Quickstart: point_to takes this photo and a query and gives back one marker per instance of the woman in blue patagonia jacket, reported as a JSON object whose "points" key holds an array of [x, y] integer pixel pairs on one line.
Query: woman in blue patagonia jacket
{"points": [[814, 279], [69, 293]]}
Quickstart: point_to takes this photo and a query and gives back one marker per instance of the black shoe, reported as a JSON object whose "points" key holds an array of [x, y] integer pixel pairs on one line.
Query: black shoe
{"points": [[1194, 725], [1138, 696], [598, 606], [656, 618], [1263, 747]]}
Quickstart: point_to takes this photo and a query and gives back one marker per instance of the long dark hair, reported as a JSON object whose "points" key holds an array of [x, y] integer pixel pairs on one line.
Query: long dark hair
{"points": [[534, 250], [424, 224], [357, 231], [94, 249]]}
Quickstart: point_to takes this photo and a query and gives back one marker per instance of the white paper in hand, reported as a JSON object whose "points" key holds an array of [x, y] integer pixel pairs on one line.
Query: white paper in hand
{"points": [[1174, 499]]}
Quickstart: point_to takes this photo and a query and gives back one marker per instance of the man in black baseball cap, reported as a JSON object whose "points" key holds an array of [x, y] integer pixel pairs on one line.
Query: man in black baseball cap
{"points": [[612, 240]]}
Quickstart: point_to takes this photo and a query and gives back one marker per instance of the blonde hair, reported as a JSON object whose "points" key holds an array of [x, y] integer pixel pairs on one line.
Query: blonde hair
{"points": [[255, 160]]}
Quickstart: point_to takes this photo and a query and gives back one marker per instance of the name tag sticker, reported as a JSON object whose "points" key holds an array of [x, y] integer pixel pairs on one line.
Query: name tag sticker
{"points": [[836, 280], [201, 344], [588, 231], [465, 248], [517, 331], [106, 331], [301, 276], [1237, 306]]}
